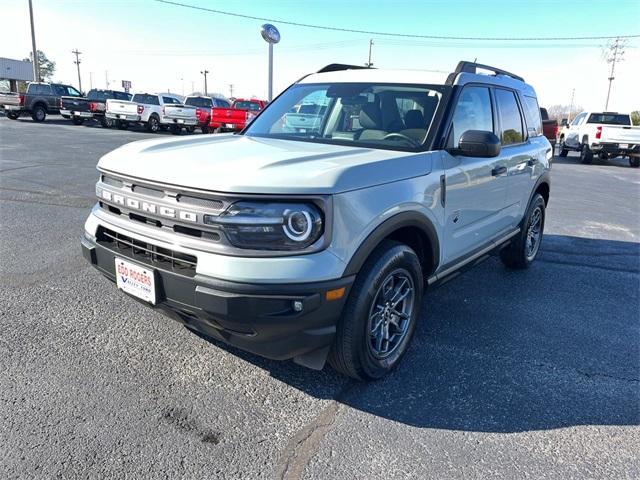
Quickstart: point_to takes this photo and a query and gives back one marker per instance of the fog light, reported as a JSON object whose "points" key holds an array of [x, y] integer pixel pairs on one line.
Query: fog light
{"points": [[297, 305]]}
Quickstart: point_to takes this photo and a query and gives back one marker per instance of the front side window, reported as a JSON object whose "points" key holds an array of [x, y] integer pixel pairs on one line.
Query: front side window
{"points": [[358, 114], [578, 119], [473, 112], [532, 114], [510, 120]]}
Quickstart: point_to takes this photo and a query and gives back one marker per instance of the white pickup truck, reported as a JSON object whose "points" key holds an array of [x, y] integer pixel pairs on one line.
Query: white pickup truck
{"points": [[154, 111], [606, 134]]}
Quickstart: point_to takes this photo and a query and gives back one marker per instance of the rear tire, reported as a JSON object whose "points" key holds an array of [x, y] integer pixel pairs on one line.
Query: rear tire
{"points": [[39, 114], [106, 122], [190, 130], [77, 121], [586, 155], [205, 128], [634, 162], [372, 336], [13, 116], [153, 124], [524, 248]]}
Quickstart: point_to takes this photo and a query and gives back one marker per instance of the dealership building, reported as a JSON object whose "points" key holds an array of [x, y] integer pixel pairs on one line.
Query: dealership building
{"points": [[15, 71]]}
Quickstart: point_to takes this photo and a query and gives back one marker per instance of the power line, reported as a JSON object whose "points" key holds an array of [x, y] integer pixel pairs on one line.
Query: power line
{"points": [[388, 34]]}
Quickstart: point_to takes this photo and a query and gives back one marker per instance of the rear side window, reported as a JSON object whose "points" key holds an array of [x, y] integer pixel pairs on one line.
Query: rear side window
{"points": [[219, 103], [146, 99], [170, 100], [510, 120], [121, 96], [39, 89], [473, 112], [609, 119], [253, 106], [532, 115]]}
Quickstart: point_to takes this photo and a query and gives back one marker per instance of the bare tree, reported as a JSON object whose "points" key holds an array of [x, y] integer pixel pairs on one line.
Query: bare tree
{"points": [[558, 112]]}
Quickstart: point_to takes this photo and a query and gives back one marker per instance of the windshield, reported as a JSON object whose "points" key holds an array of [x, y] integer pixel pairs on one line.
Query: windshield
{"points": [[198, 102], [609, 119], [255, 106], [375, 115]]}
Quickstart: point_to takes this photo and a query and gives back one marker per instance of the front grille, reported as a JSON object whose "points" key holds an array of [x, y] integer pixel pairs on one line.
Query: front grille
{"points": [[150, 192], [201, 202], [147, 253]]}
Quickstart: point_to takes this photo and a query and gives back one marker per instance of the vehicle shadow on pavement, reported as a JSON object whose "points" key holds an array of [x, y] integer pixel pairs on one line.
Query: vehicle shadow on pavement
{"points": [[574, 159], [510, 351]]}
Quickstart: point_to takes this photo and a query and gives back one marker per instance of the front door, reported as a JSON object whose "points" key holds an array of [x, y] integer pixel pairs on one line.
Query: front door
{"points": [[476, 188]]}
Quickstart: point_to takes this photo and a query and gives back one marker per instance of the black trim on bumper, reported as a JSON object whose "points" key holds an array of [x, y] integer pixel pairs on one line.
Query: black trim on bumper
{"points": [[258, 318]]}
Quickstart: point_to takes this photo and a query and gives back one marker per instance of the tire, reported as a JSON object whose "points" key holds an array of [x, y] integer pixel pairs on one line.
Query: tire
{"points": [[205, 128], [13, 115], [77, 121], [520, 253], [106, 122], [39, 114], [563, 149], [122, 124], [153, 124], [586, 155], [175, 129], [358, 349], [190, 130], [634, 162]]}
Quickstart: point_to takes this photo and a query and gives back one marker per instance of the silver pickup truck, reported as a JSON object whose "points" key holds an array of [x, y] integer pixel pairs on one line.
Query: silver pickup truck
{"points": [[155, 111]]}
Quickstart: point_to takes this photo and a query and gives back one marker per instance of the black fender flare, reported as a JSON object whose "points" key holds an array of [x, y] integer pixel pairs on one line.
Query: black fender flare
{"points": [[389, 226], [544, 178]]}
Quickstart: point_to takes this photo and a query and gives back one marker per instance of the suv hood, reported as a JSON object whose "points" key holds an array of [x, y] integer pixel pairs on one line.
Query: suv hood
{"points": [[242, 164]]}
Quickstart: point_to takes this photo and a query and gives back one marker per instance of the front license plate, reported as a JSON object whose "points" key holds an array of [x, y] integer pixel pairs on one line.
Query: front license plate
{"points": [[136, 280], [623, 145]]}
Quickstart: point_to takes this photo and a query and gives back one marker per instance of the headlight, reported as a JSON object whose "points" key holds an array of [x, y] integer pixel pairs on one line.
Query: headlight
{"points": [[270, 226]]}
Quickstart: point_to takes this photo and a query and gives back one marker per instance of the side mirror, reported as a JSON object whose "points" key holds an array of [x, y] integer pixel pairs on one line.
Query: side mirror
{"points": [[479, 143], [564, 122]]}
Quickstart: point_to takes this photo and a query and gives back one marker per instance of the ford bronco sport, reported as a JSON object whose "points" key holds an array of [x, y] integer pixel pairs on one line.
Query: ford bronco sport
{"points": [[318, 244]]}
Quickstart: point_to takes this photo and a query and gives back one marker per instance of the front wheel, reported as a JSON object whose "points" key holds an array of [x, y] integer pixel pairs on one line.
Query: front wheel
{"points": [[524, 247], [380, 315]]}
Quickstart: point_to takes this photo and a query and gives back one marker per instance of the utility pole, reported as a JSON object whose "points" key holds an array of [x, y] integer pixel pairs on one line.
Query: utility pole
{"points": [[231, 90], [106, 78], [90, 80], [34, 55], [573, 92], [77, 62], [369, 64], [204, 72], [614, 54]]}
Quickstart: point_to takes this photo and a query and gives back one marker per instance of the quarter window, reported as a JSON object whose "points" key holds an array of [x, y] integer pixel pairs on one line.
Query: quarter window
{"points": [[473, 112], [532, 115], [510, 119]]}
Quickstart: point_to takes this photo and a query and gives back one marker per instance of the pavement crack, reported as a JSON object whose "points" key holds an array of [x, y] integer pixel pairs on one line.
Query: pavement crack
{"points": [[304, 444]]}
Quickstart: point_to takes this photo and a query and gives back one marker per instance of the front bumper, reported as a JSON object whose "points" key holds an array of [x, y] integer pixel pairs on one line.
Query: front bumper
{"points": [[258, 318]]}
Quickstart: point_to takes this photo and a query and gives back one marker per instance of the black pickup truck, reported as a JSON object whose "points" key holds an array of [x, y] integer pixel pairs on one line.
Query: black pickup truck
{"points": [[91, 106], [40, 100]]}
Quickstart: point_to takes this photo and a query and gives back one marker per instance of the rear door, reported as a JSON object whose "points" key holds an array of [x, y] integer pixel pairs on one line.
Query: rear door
{"points": [[476, 188]]}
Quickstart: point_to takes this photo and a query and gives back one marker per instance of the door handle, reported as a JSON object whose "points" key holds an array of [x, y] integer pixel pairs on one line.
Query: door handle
{"points": [[499, 170]]}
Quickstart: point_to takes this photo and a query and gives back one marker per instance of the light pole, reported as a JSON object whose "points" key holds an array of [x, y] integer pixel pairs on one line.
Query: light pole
{"points": [[34, 55], [271, 35], [204, 72], [369, 64]]}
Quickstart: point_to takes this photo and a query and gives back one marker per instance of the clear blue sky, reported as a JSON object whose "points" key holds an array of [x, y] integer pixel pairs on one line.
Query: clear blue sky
{"points": [[160, 47]]}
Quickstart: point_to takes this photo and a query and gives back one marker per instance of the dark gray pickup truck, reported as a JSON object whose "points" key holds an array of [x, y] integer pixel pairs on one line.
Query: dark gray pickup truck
{"points": [[40, 100], [91, 106]]}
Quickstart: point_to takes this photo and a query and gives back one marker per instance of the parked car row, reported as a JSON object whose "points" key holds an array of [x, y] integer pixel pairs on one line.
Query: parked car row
{"points": [[154, 111]]}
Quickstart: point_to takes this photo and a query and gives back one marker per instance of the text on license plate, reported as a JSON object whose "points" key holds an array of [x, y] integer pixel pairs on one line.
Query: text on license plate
{"points": [[623, 145], [136, 280]]}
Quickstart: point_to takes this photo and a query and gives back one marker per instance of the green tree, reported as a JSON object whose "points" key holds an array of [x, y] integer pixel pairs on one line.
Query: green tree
{"points": [[47, 67], [635, 117]]}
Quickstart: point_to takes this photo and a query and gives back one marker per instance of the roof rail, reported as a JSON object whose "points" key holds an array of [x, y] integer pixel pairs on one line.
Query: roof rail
{"points": [[337, 67], [471, 67]]}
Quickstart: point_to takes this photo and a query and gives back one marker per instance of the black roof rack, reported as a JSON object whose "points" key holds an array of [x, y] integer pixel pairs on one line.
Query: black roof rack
{"points": [[471, 67], [337, 67]]}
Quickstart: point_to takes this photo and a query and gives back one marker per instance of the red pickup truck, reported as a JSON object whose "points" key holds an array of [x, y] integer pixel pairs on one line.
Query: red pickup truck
{"points": [[203, 108], [549, 128], [235, 118]]}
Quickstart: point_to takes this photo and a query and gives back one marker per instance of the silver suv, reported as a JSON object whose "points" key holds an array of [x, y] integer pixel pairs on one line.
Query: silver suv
{"points": [[318, 243]]}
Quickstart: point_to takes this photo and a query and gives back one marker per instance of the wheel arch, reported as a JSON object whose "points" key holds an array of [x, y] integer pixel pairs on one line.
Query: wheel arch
{"points": [[411, 228], [40, 103]]}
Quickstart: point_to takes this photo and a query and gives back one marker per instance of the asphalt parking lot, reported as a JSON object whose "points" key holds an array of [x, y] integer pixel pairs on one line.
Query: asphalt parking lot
{"points": [[529, 374]]}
